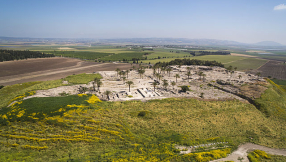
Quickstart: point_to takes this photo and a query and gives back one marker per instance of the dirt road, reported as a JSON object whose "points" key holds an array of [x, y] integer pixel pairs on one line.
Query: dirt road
{"points": [[242, 150]]}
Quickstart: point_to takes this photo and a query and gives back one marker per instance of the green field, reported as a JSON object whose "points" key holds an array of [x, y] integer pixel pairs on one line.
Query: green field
{"points": [[242, 63], [247, 63], [120, 53]]}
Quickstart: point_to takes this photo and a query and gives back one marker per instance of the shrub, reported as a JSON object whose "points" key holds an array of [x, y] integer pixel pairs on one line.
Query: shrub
{"points": [[185, 88], [142, 113]]}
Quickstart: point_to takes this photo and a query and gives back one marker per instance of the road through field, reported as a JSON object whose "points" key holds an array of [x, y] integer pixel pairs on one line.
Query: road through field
{"points": [[242, 150], [57, 73]]}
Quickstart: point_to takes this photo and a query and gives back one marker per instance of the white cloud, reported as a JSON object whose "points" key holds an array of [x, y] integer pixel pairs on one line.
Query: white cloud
{"points": [[280, 7]]}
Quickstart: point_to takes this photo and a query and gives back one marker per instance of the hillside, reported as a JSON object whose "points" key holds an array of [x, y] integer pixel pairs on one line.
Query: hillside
{"points": [[83, 128]]}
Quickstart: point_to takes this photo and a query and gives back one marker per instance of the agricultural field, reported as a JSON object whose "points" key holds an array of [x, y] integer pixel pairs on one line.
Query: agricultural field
{"points": [[12, 72], [79, 54], [274, 69], [279, 55], [247, 63], [83, 128], [242, 63]]}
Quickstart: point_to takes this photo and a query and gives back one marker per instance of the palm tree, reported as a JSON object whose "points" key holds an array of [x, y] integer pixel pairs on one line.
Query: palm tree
{"points": [[169, 70], [129, 84], [99, 84], [163, 70], [165, 83], [95, 82], [154, 70], [177, 76], [235, 68], [159, 77], [107, 93], [127, 71], [239, 76], [201, 74], [123, 78], [141, 72], [204, 75], [154, 84], [173, 84], [188, 74], [117, 70]]}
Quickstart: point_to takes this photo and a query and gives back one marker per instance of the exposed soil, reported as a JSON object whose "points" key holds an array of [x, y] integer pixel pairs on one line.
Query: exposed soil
{"points": [[275, 69], [43, 69], [253, 90], [242, 150], [243, 55]]}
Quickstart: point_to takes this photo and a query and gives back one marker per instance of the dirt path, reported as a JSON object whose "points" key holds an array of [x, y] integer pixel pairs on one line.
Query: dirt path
{"points": [[243, 149]]}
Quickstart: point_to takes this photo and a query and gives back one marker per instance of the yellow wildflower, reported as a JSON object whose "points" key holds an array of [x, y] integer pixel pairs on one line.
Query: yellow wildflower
{"points": [[80, 95], [93, 99]]}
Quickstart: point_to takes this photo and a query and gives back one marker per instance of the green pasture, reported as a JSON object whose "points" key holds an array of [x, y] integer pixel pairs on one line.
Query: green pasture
{"points": [[82, 78], [247, 63], [242, 63], [126, 56], [9, 92], [219, 58]]}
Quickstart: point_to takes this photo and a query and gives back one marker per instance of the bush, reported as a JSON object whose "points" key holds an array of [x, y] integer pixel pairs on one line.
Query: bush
{"points": [[185, 88], [142, 113], [1, 86]]}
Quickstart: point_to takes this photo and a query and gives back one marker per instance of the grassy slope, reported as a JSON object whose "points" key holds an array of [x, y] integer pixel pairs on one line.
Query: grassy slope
{"points": [[9, 92], [125, 135]]}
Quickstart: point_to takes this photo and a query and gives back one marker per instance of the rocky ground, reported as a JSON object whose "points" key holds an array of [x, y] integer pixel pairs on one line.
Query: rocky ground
{"points": [[215, 83]]}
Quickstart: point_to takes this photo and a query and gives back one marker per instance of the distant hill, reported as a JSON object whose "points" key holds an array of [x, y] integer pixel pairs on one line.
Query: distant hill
{"points": [[143, 41], [268, 43]]}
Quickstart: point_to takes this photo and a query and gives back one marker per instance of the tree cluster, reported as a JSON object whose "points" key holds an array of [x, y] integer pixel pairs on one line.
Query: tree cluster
{"points": [[200, 53], [189, 62], [8, 55]]}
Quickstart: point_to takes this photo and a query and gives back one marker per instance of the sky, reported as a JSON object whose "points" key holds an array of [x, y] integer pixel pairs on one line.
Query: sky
{"points": [[246, 21]]}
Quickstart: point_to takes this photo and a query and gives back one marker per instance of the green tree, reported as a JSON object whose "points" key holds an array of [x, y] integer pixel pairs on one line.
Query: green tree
{"points": [[188, 74], [165, 84], [129, 84], [173, 84], [154, 84], [141, 72], [127, 71], [95, 80], [201, 74], [107, 93], [117, 70], [239, 76], [177, 76], [169, 70], [99, 84], [123, 78]]}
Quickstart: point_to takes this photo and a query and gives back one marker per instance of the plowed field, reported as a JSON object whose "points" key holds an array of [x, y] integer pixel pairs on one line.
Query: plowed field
{"points": [[42, 69]]}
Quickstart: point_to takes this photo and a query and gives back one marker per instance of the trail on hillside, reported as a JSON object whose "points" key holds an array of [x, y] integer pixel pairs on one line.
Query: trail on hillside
{"points": [[242, 150]]}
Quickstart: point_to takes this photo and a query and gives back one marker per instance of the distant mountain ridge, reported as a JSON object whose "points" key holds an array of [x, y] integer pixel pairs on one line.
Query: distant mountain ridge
{"points": [[146, 41], [268, 43]]}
